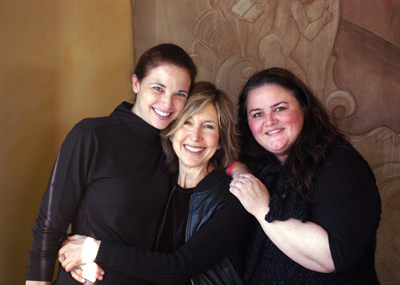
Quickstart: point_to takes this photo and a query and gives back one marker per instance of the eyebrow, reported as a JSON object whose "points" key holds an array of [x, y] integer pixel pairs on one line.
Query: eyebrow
{"points": [[277, 104], [162, 85], [273, 106]]}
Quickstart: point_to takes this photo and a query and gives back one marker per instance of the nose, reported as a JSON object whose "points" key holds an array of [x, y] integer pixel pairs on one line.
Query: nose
{"points": [[269, 119], [167, 100], [195, 134]]}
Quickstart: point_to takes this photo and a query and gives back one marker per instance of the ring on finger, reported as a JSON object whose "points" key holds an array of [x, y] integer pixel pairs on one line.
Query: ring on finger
{"points": [[63, 257], [81, 267]]}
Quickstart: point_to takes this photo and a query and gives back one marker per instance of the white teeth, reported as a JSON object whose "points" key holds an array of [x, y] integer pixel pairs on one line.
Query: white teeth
{"points": [[274, 131], [161, 113], [194, 149]]}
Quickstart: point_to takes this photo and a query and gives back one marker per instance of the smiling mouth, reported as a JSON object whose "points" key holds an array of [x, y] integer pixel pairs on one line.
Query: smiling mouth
{"points": [[161, 113], [274, 131], [194, 149]]}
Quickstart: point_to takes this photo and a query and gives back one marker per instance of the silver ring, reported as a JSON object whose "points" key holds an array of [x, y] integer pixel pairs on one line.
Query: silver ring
{"points": [[63, 257], [79, 267]]}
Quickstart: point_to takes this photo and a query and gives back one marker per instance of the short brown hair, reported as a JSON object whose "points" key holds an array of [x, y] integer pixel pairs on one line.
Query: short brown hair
{"points": [[202, 95]]}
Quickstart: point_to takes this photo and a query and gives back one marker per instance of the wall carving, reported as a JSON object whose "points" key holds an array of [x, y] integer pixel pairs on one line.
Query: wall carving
{"points": [[348, 52]]}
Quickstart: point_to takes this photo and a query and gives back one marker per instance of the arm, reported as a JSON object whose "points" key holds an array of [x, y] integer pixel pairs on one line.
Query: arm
{"points": [[305, 243], [223, 232], [57, 207], [347, 206], [344, 215]]}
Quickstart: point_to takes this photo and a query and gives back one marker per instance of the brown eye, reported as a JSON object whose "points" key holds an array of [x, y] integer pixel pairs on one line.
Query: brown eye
{"points": [[279, 109]]}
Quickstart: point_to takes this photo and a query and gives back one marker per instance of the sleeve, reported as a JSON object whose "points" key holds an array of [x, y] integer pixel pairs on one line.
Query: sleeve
{"points": [[223, 232], [62, 196], [346, 204]]}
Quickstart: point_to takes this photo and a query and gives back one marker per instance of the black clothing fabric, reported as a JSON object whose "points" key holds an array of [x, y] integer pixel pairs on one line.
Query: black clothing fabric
{"points": [[173, 233], [345, 202], [110, 182], [217, 225]]}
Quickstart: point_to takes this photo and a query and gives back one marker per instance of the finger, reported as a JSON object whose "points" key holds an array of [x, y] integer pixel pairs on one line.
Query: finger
{"points": [[74, 237], [90, 272], [74, 274], [237, 181], [62, 257], [235, 191], [69, 265]]}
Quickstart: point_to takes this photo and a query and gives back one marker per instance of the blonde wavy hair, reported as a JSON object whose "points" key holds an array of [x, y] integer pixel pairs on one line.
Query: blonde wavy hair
{"points": [[201, 96]]}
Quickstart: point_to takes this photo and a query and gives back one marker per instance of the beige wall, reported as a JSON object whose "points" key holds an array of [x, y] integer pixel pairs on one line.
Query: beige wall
{"points": [[60, 61], [348, 51]]}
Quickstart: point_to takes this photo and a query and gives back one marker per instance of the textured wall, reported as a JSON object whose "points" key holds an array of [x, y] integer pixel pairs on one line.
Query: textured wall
{"points": [[60, 61], [347, 51]]}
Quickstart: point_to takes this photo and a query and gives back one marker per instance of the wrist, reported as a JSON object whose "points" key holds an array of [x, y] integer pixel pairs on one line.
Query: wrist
{"points": [[232, 167]]}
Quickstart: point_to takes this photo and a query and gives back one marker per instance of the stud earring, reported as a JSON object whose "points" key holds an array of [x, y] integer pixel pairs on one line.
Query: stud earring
{"points": [[171, 139], [218, 147]]}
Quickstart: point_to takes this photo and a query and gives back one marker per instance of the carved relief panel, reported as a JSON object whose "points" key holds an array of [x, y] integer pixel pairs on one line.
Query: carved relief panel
{"points": [[348, 52]]}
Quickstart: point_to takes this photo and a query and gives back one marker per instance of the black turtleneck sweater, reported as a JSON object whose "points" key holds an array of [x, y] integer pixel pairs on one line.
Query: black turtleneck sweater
{"points": [[109, 182]]}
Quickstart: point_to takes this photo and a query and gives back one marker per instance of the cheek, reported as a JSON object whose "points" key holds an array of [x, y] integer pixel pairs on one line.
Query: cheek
{"points": [[179, 104], [255, 127], [214, 140], [297, 123]]}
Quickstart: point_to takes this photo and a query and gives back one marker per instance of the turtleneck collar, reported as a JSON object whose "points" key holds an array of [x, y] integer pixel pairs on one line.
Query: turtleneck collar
{"points": [[138, 126]]}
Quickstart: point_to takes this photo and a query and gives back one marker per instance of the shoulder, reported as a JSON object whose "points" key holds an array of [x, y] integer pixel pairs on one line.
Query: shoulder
{"points": [[345, 172], [214, 187], [89, 126], [345, 159]]}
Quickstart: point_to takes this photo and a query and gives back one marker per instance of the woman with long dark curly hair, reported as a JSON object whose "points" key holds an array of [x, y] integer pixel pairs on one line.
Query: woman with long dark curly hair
{"points": [[313, 195]]}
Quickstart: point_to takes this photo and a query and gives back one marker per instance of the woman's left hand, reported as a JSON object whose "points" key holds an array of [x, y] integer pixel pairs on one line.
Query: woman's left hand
{"points": [[252, 193], [78, 250]]}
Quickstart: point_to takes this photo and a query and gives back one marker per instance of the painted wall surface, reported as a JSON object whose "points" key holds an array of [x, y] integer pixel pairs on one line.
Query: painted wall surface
{"points": [[60, 61], [348, 52]]}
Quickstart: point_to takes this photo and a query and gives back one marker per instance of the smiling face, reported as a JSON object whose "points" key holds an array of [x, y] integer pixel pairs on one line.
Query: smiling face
{"points": [[275, 118], [196, 142], [161, 94]]}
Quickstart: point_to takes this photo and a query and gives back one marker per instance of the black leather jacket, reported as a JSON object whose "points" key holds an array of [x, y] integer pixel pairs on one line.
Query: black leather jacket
{"points": [[202, 206]]}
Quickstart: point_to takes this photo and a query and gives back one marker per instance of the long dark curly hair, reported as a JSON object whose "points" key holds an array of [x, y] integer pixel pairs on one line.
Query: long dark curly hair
{"points": [[313, 143]]}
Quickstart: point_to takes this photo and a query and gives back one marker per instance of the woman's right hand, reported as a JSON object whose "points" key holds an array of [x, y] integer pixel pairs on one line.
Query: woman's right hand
{"points": [[77, 250], [252, 194]]}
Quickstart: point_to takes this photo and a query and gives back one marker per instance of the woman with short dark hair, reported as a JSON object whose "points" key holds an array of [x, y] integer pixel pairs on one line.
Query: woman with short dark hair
{"points": [[203, 224], [109, 179]]}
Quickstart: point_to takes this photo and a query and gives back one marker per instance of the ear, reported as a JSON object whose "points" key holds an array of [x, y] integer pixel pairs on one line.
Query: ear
{"points": [[135, 83]]}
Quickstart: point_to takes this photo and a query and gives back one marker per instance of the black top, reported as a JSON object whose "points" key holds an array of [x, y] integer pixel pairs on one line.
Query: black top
{"points": [[345, 202], [174, 230], [224, 231], [109, 181]]}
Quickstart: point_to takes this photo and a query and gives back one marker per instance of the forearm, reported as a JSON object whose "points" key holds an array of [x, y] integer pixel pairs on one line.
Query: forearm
{"points": [[305, 243], [215, 240], [31, 282], [43, 253]]}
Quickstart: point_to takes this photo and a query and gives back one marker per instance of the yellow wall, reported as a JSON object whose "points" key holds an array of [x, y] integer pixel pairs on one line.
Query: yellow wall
{"points": [[60, 61]]}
